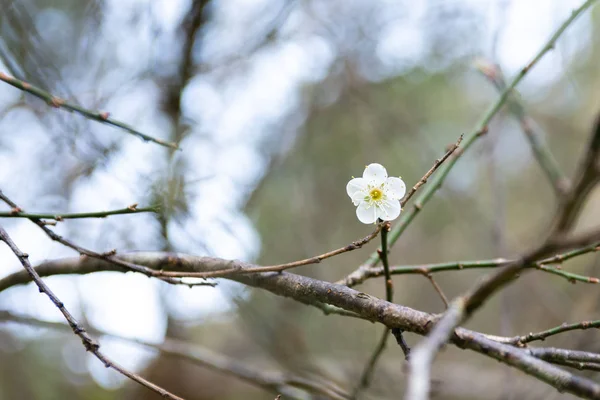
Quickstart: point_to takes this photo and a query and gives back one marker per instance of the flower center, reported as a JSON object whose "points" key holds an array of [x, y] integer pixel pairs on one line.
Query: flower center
{"points": [[375, 194]]}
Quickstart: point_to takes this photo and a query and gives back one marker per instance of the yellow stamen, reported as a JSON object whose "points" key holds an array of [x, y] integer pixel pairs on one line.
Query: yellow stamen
{"points": [[376, 194]]}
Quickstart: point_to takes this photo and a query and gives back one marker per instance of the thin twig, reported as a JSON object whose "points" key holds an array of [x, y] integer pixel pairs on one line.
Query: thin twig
{"points": [[88, 342], [132, 209], [587, 177], [281, 267], [560, 183], [273, 381], [57, 102], [368, 371], [110, 256], [435, 166], [367, 374], [424, 353], [530, 337], [437, 288], [480, 129], [363, 274]]}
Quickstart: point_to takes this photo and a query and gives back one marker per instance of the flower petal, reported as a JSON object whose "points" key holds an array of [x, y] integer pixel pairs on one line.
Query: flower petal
{"points": [[367, 214], [395, 188], [357, 186], [375, 174], [389, 210]]}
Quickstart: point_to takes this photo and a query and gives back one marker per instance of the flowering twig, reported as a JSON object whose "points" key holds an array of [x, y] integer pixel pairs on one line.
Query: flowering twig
{"points": [[407, 216], [273, 381], [480, 129], [132, 209], [88, 342], [57, 102], [560, 183]]}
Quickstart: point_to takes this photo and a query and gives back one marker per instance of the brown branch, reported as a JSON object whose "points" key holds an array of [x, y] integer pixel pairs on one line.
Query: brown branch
{"points": [[562, 380], [450, 150], [364, 273], [437, 288], [276, 382], [88, 342], [552, 354], [540, 150], [586, 178], [423, 354], [522, 340], [280, 267], [98, 116], [315, 292]]}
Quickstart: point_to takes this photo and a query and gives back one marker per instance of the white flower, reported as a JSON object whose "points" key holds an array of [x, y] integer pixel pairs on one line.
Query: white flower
{"points": [[376, 195]]}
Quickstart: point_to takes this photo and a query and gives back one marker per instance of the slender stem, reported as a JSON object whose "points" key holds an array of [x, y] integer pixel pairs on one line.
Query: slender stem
{"points": [[88, 342], [268, 380], [560, 183], [480, 129], [364, 274], [389, 285], [16, 213], [554, 331], [57, 102], [367, 374], [235, 269]]}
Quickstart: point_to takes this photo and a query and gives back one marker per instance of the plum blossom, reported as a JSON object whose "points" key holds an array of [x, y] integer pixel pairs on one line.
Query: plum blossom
{"points": [[376, 195]]}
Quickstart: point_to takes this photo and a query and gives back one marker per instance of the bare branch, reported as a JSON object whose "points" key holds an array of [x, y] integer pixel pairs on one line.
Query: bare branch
{"points": [[562, 380], [110, 256], [276, 382], [98, 116], [423, 354], [587, 178], [281, 267], [521, 340], [90, 344], [133, 209], [364, 273], [560, 183], [315, 292]]}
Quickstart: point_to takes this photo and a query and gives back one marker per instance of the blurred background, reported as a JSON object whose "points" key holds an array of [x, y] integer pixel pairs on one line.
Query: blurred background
{"points": [[276, 104]]}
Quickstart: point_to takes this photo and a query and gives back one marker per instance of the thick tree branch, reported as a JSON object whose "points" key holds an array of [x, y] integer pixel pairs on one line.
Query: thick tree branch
{"points": [[315, 292]]}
